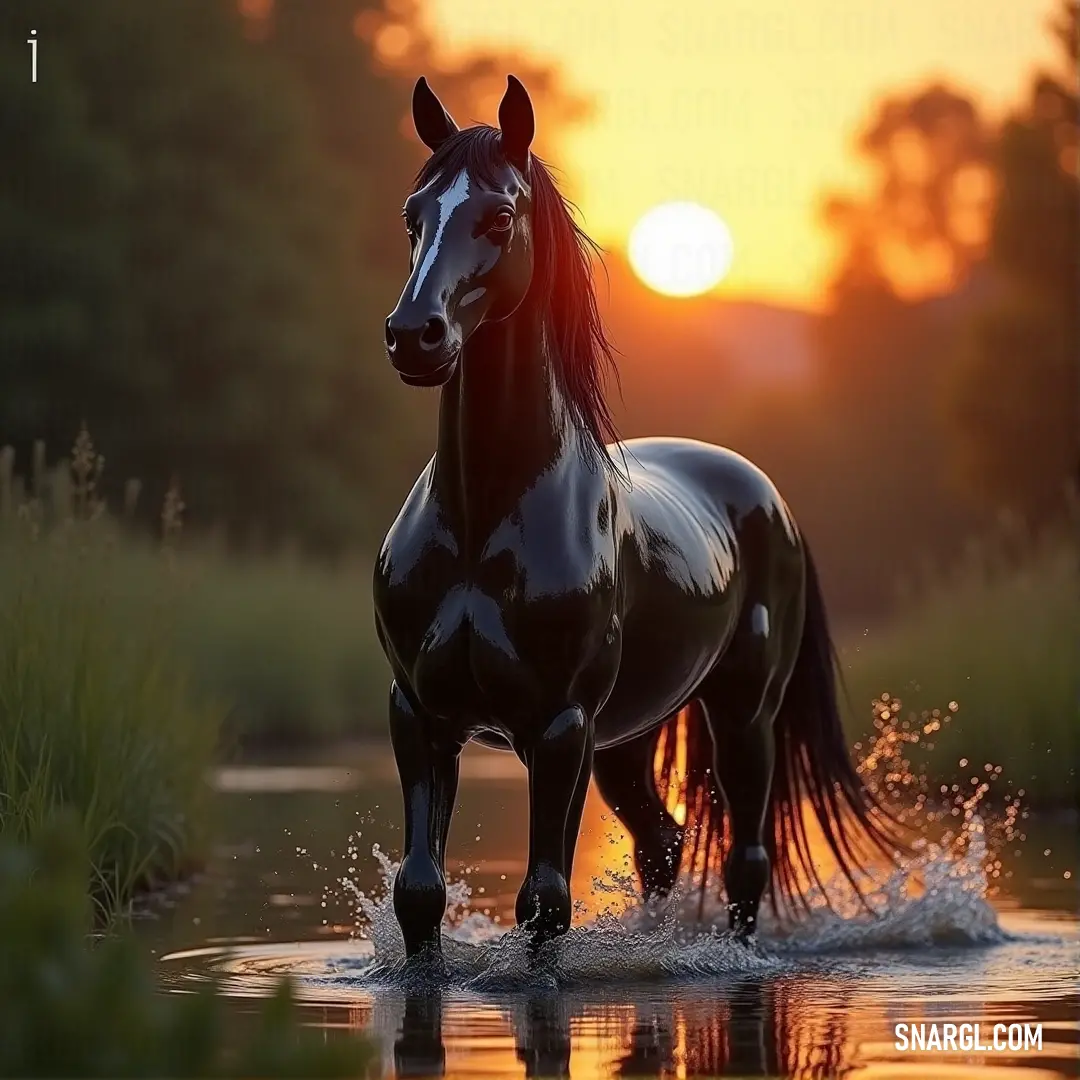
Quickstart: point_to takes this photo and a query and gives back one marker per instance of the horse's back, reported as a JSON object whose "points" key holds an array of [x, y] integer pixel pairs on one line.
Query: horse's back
{"points": [[709, 480]]}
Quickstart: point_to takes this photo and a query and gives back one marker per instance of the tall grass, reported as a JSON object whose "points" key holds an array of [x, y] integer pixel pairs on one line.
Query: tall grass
{"points": [[999, 636], [290, 646], [96, 714], [286, 645]]}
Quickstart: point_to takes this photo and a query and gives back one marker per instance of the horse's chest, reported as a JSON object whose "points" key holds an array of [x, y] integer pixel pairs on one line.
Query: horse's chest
{"points": [[473, 657], [482, 649]]}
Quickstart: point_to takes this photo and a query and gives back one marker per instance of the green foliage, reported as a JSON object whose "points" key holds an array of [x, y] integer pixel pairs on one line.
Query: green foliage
{"points": [[290, 645], [183, 267], [271, 647], [286, 644], [997, 636], [95, 714], [72, 1008]]}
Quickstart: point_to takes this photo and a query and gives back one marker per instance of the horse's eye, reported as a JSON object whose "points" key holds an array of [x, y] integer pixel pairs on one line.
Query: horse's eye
{"points": [[503, 220]]}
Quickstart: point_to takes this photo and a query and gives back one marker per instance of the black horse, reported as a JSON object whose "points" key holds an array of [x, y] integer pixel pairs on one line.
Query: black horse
{"points": [[546, 593]]}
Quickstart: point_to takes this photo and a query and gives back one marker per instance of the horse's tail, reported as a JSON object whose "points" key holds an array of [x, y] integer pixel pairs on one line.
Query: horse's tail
{"points": [[812, 766]]}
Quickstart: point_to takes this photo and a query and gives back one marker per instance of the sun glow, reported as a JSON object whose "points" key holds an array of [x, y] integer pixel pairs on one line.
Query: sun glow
{"points": [[681, 249]]}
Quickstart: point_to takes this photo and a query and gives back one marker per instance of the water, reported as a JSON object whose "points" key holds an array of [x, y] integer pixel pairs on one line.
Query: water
{"points": [[628, 991]]}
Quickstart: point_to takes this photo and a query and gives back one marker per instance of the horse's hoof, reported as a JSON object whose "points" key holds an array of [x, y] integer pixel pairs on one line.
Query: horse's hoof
{"points": [[543, 904]]}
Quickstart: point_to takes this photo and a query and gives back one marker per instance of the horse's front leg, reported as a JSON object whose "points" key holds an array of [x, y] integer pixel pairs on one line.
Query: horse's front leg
{"points": [[428, 769], [559, 764]]}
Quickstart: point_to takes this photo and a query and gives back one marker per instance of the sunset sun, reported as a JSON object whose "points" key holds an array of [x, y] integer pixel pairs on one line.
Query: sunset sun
{"points": [[681, 249]]}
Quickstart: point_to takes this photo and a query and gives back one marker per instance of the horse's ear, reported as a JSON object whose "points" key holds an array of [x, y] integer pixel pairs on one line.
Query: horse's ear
{"points": [[433, 123], [516, 123]]}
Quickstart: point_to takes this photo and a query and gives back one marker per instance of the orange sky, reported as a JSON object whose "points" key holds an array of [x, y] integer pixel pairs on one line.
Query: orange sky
{"points": [[747, 106]]}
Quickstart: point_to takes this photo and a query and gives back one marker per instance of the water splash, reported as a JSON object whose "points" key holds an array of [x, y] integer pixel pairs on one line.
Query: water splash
{"points": [[937, 895], [936, 898], [481, 955]]}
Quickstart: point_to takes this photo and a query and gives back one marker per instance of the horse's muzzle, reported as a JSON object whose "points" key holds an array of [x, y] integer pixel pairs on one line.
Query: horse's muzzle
{"points": [[423, 353]]}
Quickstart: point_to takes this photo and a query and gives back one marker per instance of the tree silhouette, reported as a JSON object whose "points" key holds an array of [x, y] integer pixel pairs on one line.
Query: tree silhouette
{"points": [[1014, 396]]}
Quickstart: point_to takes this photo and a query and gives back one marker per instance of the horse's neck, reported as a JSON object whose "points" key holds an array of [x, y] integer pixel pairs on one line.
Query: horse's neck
{"points": [[502, 422]]}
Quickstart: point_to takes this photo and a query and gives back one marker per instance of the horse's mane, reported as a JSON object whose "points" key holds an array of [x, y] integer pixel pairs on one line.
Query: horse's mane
{"points": [[562, 283]]}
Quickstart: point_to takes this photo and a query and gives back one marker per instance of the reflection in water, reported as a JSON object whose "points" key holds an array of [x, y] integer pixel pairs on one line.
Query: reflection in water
{"points": [[542, 1036], [418, 1048], [651, 1049], [729, 1033], [748, 1029]]}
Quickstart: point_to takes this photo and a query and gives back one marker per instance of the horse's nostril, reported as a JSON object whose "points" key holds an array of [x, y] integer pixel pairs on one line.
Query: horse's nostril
{"points": [[433, 333], [391, 341]]}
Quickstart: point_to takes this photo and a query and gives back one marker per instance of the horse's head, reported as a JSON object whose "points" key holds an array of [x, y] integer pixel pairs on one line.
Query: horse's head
{"points": [[470, 228]]}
